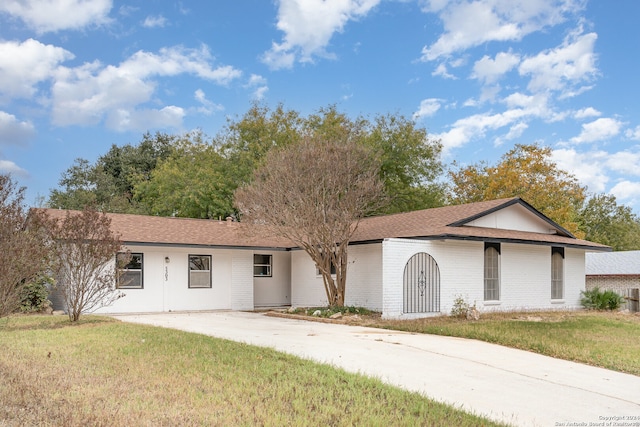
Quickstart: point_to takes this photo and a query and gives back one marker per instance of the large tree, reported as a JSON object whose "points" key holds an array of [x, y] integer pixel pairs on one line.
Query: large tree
{"points": [[314, 193], [24, 254], [109, 182], [410, 161], [526, 171], [194, 182], [604, 221], [85, 269]]}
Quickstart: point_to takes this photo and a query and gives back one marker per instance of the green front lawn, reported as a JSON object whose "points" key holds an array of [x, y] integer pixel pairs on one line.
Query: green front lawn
{"points": [[102, 372], [605, 339]]}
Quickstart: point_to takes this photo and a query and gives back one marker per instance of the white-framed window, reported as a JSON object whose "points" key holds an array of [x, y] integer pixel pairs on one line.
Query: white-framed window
{"points": [[130, 272], [491, 271], [557, 273], [262, 265], [199, 271], [333, 270]]}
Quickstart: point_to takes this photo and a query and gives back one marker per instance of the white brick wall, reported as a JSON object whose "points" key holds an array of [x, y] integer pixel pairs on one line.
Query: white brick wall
{"points": [[242, 280], [364, 279], [525, 275], [307, 289], [166, 285], [460, 271]]}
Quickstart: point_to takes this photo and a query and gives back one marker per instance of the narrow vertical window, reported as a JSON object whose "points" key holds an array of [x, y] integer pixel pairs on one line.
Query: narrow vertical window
{"points": [[262, 265], [557, 273], [491, 271], [129, 270], [199, 271]]}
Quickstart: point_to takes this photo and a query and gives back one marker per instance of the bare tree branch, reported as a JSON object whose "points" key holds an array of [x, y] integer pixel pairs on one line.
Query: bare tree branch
{"points": [[85, 267], [314, 193]]}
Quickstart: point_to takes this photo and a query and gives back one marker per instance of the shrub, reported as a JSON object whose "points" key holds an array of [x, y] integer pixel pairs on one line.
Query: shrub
{"points": [[595, 299], [35, 296], [462, 310], [460, 307]]}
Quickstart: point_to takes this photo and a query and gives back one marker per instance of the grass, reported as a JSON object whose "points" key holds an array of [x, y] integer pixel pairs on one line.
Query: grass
{"points": [[103, 372], [604, 339]]}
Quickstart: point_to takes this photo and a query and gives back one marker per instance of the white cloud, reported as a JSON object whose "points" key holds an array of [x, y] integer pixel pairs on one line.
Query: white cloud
{"points": [[441, 70], [14, 131], [308, 26], [471, 23], [54, 15], [563, 68], [208, 107], [258, 84], [627, 192], [24, 65], [89, 93], [428, 107], [633, 133], [515, 132], [476, 126], [491, 70], [154, 21], [588, 167], [521, 108], [7, 166], [625, 162], [599, 130], [143, 119], [586, 113]]}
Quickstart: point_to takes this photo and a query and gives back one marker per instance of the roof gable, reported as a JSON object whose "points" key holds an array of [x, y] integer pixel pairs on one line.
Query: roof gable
{"points": [[515, 214]]}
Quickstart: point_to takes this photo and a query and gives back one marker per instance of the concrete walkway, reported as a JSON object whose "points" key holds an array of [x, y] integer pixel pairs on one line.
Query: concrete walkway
{"points": [[512, 386]]}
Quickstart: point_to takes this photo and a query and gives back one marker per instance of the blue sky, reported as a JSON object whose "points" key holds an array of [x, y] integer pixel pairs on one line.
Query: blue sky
{"points": [[79, 75]]}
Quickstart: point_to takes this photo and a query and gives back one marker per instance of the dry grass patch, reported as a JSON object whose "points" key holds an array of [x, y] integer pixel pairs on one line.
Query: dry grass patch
{"points": [[103, 372]]}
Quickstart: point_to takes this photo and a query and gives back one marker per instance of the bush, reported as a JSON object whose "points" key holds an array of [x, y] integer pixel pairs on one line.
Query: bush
{"points": [[460, 307], [595, 299], [35, 296]]}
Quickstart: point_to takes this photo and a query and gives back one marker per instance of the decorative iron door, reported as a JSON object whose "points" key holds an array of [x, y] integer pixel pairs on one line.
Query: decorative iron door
{"points": [[421, 285]]}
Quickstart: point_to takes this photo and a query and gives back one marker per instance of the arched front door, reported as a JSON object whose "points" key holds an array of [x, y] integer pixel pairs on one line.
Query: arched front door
{"points": [[421, 289]]}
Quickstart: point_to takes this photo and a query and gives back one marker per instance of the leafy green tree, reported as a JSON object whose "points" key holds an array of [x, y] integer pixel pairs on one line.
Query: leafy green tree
{"points": [[604, 221], [188, 176], [526, 171], [108, 184], [410, 161], [410, 164], [245, 142], [193, 182]]}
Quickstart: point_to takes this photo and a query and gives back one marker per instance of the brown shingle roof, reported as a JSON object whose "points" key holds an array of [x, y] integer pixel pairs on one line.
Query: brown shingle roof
{"points": [[184, 231], [438, 223], [448, 222]]}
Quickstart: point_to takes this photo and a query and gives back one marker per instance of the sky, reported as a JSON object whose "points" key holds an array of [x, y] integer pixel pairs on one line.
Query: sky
{"points": [[77, 76]]}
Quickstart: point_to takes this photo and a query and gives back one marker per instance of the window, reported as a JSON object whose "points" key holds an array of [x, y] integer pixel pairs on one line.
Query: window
{"points": [[261, 265], [199, 271], [557, 273], [129, 272], [333, 270], [492, 271]]}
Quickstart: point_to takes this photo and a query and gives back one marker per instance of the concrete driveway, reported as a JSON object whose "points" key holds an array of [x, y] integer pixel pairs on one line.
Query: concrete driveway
{"points": [[512, 386]]}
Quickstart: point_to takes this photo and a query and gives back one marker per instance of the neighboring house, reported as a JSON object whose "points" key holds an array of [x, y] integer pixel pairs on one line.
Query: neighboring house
{"points": [[498, 255], [616, 271]]}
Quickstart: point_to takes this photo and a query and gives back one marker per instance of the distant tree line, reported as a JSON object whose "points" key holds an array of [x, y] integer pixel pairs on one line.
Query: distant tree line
{"points": [[194, 175]]}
